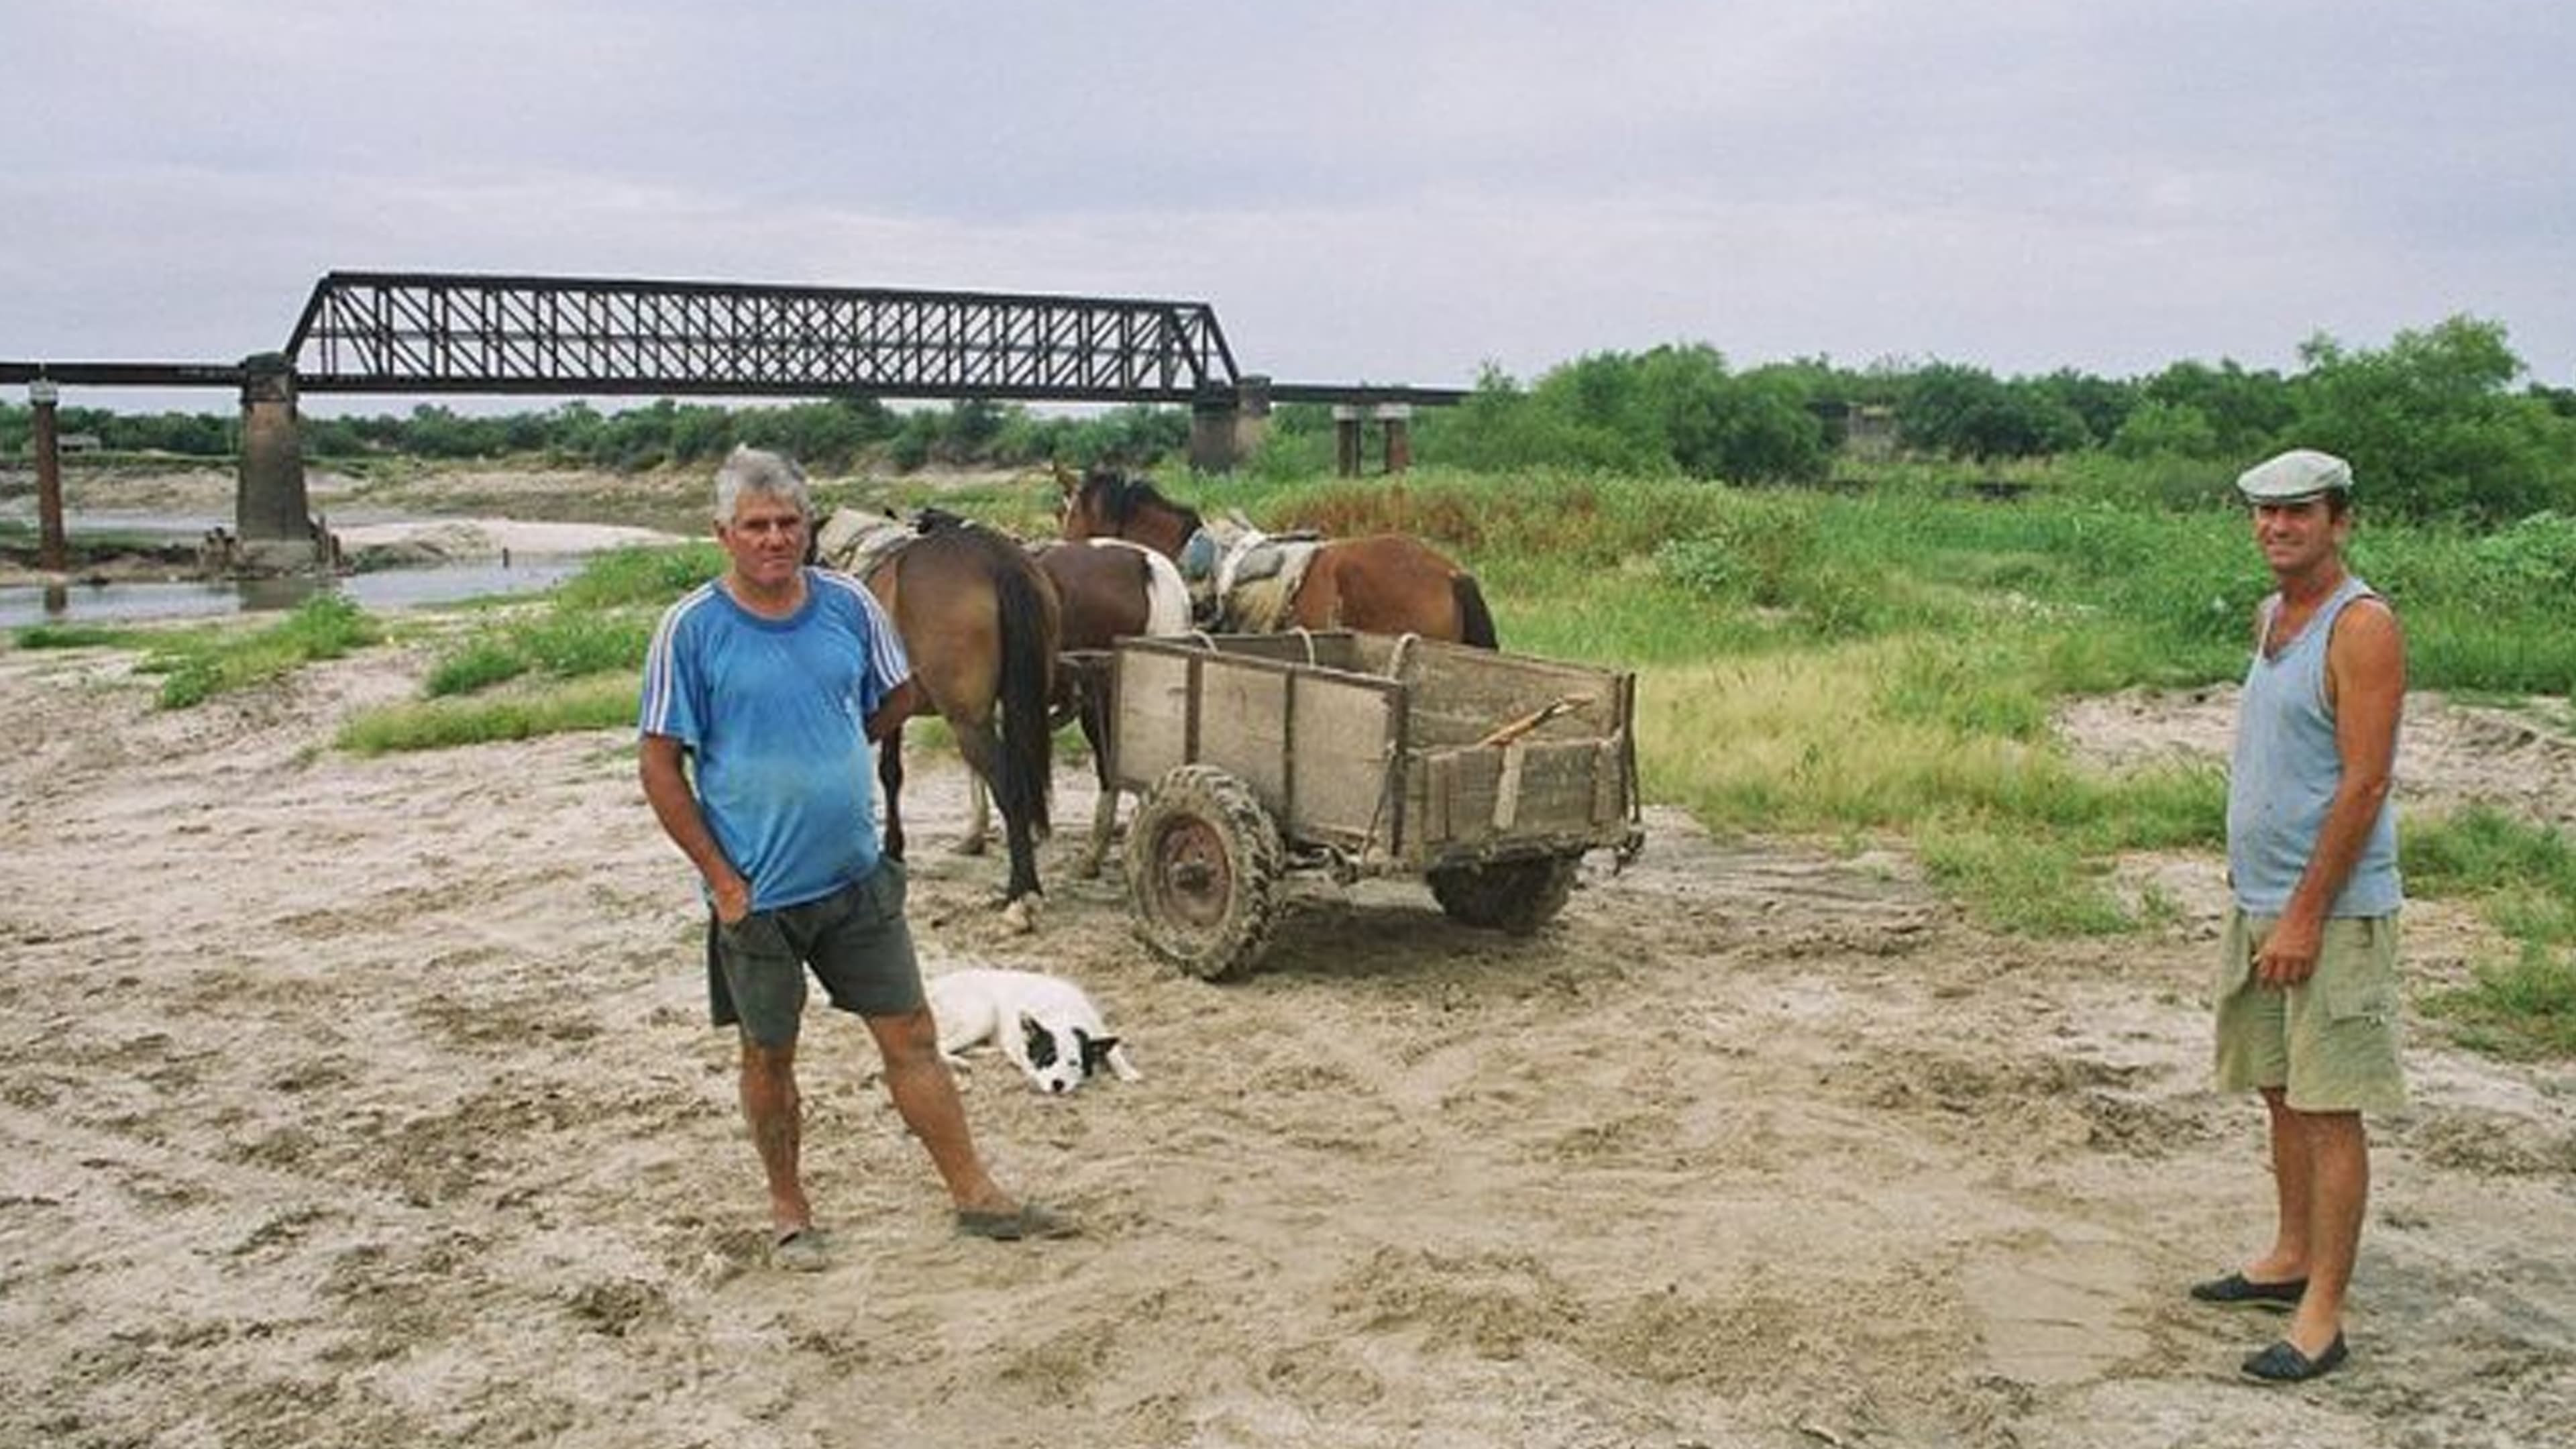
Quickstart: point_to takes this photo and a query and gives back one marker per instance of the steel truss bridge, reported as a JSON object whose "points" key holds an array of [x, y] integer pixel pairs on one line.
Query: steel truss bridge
{"points": [[394, 332]]}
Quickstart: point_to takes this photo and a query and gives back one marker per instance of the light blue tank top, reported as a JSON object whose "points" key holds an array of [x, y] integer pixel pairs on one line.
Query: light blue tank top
{"points": [[2284, 777]]}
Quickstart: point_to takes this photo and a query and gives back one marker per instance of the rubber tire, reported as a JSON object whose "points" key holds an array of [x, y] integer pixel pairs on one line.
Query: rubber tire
{"points": [[1513, 896], [1204, 872]]}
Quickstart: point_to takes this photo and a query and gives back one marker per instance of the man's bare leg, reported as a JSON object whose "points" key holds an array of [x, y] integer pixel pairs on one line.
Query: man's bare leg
{"points": [[2293, 1190], [2338, 1154], [773, 1111], [925, 1096]]}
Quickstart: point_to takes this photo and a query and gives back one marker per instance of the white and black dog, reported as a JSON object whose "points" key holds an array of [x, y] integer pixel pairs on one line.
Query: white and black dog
{"points": [[1044, 1025]]}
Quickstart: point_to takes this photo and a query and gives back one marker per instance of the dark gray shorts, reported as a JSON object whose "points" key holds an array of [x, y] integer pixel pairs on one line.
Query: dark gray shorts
{"points": [[856, 940]]}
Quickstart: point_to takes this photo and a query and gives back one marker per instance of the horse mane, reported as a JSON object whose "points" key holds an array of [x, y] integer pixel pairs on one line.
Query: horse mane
{"points": [[1124, 496]]}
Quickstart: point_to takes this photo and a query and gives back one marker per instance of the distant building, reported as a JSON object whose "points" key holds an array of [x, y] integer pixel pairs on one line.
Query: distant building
{"points": [[1857, 430], [1869, 431]]}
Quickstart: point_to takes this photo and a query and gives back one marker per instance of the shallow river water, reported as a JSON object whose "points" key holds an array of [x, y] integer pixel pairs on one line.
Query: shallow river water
{"points": [[136, 601]]}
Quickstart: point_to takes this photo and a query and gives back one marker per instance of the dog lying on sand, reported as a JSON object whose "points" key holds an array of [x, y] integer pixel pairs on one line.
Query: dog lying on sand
{"points": [[1044, 1025]]}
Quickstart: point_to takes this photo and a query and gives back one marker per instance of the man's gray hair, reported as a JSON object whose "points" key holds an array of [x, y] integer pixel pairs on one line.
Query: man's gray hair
{"points": [[757, 470]]}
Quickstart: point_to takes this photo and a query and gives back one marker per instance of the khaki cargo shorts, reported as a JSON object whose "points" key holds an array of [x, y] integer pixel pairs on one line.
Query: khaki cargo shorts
{"points": [[2331, 1040]]}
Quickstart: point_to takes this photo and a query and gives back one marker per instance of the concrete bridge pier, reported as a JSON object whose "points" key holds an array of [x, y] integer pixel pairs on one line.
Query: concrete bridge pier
{"points": [[1227, 428], [275, 530], [53, 548], [1350, 435], [1396, 420]]}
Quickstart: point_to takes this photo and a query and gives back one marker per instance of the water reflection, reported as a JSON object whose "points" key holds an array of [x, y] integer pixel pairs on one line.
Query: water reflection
{"points": [[284, 591]]}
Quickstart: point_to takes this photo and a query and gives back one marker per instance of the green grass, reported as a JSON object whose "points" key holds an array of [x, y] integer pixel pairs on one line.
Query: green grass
{"points": [[82, 636], [195, 665], [561, 643], [2524, 877], [588, 636], [2523, 1009], [437, 724], [645, 577], [326, 626]]}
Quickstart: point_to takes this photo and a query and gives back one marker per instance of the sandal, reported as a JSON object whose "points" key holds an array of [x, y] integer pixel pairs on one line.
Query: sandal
{"points": [[801, 1250]]}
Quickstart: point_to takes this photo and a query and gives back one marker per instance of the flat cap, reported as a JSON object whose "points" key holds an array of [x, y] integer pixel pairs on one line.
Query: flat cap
{"points": [[2298, 474]]}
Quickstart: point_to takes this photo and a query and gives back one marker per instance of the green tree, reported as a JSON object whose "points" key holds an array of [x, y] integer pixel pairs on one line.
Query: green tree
{"points": [[1966, 412], [2100, 402], [2246, 411], [2432, 427], [2164, 429]]}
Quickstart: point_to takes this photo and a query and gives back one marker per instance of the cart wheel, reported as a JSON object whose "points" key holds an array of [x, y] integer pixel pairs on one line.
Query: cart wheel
{"points": [[1204, 864], [1517, 896]]}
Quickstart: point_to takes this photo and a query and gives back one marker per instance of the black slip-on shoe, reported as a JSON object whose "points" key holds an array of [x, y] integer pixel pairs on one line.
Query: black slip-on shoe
{"points": [[2237, 1288], [2282, 1363], [1015, 1224]]}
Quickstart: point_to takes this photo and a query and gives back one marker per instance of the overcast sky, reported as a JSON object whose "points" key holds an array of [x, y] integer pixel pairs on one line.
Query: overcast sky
{"points": [[1387, 191]]}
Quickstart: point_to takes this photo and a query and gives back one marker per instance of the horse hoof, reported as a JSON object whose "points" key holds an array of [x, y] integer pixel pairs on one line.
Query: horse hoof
{"points": [[1087, 868], [1021, 915], [970, 847]]}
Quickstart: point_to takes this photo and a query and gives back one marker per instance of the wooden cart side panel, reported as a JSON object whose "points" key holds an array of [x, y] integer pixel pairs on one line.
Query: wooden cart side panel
{"points": [[1150, 721], [1556, 793], [1243, 729], [1312, 743], [1460, 696], [1345, 737]]}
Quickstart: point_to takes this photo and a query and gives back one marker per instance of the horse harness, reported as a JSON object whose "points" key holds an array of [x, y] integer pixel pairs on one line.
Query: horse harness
{"points": [[1243, 580]]}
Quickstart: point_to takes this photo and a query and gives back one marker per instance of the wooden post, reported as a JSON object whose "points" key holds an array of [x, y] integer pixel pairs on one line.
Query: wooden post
{"points": [[53, 550]]}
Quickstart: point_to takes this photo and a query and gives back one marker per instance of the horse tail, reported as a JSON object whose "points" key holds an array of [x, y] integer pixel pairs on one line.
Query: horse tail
{"points": [[1475, 622], [1027, 685]]}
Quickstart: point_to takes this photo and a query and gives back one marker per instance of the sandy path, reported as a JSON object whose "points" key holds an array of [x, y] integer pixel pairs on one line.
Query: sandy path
{"points": [[368, 1102]]}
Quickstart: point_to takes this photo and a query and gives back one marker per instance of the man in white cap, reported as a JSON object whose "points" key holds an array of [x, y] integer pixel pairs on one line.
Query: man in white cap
{"points": [[2307, 982]]}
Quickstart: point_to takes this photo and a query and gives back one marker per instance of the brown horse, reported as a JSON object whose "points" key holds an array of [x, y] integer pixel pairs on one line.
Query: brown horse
{"points": [[979, 621], [1385, 583], [1108, 589]]}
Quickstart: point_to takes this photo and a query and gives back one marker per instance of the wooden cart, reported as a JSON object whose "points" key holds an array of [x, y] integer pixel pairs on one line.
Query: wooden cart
{"points": [[1488, 774]]}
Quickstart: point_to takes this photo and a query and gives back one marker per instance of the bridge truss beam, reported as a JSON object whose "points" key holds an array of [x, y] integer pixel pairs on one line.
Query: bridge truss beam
{"points": [[409, 332]]}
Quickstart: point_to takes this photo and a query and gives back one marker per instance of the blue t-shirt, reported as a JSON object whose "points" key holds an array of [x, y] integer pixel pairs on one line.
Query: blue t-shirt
{"points": [[773, 713]]}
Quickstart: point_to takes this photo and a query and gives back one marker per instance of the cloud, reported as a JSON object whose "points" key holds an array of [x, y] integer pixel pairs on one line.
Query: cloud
{"points": [[1395, 192]]}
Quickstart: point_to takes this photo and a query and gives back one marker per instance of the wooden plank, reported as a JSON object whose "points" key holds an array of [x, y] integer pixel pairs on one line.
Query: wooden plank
{"points": [[1609, 782], [1554, 792], [1344, 739], [1452, 719], [1149, 726], [1243, 725], [1461, 695]]}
